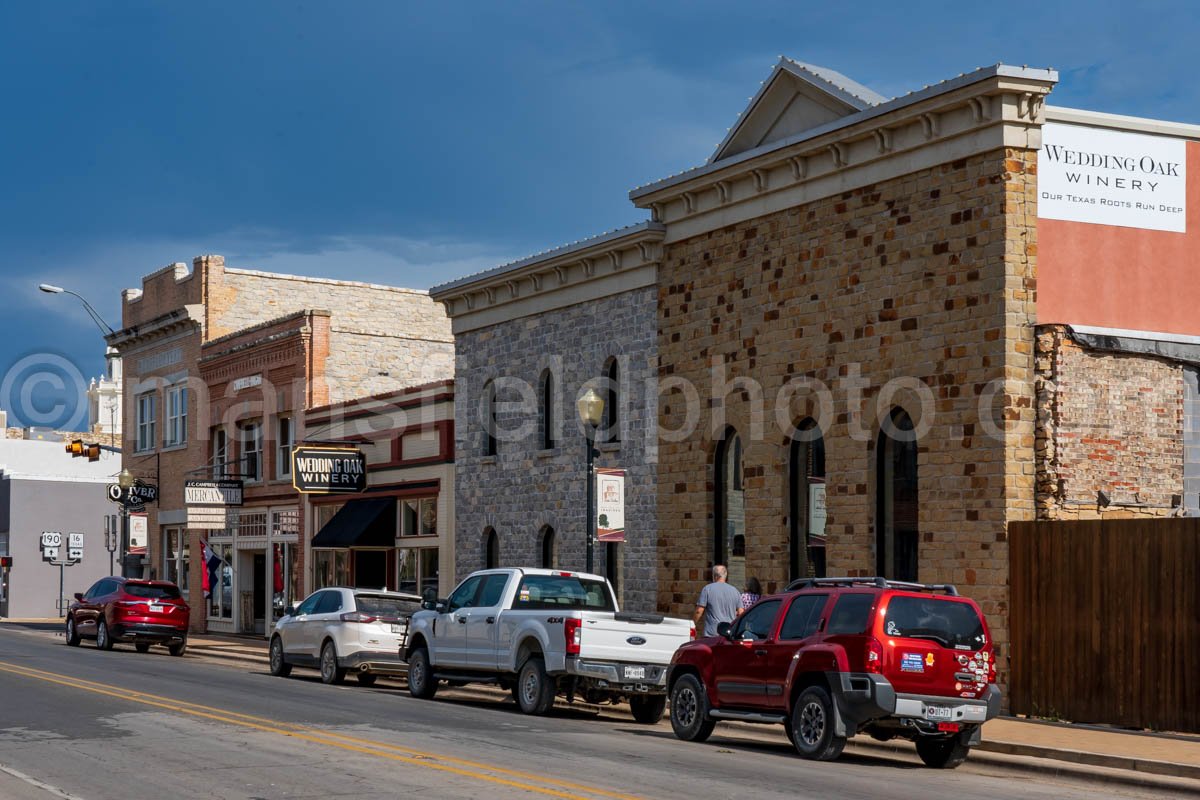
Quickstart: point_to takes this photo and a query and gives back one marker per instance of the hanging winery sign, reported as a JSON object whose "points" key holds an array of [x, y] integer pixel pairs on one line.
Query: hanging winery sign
{"points": [[328, 470]]}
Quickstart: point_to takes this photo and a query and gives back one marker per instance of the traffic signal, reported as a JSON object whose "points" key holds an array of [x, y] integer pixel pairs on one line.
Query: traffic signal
{"points": [[93, 452], [75, 448], [6, 562]]}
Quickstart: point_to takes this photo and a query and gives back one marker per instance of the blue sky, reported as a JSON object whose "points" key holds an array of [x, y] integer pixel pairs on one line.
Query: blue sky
{"points": [[412, 143]]}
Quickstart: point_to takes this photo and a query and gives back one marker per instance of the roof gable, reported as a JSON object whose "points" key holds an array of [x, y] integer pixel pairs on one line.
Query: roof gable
{"points": [[796, 97]]}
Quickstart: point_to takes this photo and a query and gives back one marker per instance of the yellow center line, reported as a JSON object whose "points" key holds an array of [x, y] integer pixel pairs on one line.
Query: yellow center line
{"points": [[458, 766]]}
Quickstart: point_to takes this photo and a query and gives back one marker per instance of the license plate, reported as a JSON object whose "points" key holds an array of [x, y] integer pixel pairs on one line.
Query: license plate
{"points": [[938, 712], [158, 609], [399, 628], [635, 673]]}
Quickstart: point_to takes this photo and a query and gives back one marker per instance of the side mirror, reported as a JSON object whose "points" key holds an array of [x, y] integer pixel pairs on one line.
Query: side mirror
{"points": [[725, 630], [79, 596], [290, 611], [434, 604]]}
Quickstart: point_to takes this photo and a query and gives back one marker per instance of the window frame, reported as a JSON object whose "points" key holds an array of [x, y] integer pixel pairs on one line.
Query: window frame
{"points": [[548, 417], [819, 610], [176, 416], [220, 452], [842, 597], [612, 399], [283, 448], [245, 452], [755, 611], [147, 423]]}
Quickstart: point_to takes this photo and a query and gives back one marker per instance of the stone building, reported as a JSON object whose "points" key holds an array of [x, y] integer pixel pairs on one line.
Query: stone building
{"points": [[530, 337], [189, 334], [887, 328]]}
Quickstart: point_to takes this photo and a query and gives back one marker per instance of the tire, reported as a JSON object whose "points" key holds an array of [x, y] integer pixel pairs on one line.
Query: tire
{"points": [[331, 673], [942, 752], [366, 678], [648, 709], [421, 683], [178, 648], [103, 639], [72, 633], [142, 647], [279, 666], [535, 689], [689, 710], [812, 726]]}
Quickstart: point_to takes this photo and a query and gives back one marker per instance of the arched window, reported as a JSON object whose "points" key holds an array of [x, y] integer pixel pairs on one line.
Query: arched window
{"points": [[729, 506], [549, 548], [549, 418], [896, 533], [612, 400], [489, 419], [806, 511], [612, 566], [491, 549]]}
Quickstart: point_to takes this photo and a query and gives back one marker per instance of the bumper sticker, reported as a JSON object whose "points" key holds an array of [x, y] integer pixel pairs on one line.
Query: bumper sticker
{"points": [[911, 662]]}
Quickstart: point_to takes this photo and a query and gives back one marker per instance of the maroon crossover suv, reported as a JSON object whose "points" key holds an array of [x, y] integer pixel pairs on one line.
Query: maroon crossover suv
{"points": [[833, 657], [129, 610]]}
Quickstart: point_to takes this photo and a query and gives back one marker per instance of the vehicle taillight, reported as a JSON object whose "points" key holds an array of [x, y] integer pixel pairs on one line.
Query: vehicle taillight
{"points": [[874, 656], [358, 616], [991, 667], [573, 632], [693, 632]]}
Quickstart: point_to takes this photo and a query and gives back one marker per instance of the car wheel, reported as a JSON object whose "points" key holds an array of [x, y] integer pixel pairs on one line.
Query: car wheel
{"points": [[177, 648], [366, 678], [421, 683], [142, 647], [72, 633], [648, 709], [279, 667], [812, 726], [330, 671], [103, 640], [535, 689], [689, 710], [942, 752]]}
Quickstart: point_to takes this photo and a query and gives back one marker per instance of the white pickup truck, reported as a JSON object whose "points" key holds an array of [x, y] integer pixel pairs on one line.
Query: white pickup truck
{"points": [[544, 633]]}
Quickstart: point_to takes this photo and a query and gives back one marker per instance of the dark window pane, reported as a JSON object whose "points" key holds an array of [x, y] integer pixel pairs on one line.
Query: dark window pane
{"points": [[803, 616], [559, 592], [951, 623], [758, 621], [851, 614]]}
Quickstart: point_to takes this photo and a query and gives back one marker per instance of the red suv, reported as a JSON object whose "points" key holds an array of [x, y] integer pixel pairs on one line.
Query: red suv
{"points": [[833, 657], [127, 610]]}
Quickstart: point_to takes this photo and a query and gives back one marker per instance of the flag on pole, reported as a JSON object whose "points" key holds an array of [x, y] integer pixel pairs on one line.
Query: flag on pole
{"points": [[212, 563]]}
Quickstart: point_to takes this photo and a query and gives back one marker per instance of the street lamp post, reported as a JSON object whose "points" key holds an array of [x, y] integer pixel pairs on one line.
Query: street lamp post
{"points": [[591, 410], [126, 480], [105, 328]]}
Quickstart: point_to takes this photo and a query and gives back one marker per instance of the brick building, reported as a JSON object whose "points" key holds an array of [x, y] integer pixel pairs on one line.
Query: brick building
{"points": [[886, 328], [258, 339]]}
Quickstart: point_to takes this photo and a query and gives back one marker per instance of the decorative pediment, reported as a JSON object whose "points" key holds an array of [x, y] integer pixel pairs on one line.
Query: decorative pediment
{"points": [[796, 97]]}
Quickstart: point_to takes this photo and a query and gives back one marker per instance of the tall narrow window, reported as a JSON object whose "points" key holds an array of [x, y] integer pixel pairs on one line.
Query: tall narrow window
{"points": [[177, 401], [283, 448], [549, 418], [549, 548], [220, 453], [489, 419], [251, 451], [896, 532], [491, 549], [729, 506], [147, 421], [612, 566], [612, 400], [806, 509]]}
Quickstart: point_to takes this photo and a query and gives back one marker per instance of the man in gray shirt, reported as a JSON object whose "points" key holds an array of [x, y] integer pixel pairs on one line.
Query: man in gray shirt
{"points": [[719, 602]]}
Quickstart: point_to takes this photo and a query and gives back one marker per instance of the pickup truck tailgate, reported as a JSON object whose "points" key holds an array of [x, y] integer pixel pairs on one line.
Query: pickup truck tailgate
{"points": [[635, 638]]}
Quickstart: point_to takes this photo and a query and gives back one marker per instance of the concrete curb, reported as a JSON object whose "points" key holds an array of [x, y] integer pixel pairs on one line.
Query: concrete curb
{"points": [[1033, 758]]}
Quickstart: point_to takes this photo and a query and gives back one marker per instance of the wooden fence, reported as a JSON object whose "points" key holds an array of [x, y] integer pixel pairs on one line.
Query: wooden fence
{"points": [[1105, 621]]}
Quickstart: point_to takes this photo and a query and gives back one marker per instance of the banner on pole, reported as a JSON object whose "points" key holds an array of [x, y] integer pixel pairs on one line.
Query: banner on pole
{"points": [[610, 505]]}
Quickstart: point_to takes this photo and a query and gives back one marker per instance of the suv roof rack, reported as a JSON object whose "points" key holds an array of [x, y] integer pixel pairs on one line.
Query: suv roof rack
{"points": [[876, 582]]}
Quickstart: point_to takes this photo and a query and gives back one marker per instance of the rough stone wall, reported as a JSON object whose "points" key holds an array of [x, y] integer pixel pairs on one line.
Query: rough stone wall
{"points": [[927, 276], [1107, 422], [381, 337], [524, 488]]}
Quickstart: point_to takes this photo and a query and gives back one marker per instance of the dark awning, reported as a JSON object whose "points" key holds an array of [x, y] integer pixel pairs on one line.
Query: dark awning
{"points": [[361, 523]]}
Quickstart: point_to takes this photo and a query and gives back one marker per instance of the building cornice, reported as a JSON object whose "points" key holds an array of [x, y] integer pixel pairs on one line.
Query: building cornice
{"points": [[609, 264], [164, 325], [988, 109], [1098, 119]]}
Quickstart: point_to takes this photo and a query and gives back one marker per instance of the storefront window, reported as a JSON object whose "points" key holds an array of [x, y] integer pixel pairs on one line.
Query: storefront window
{"points": [[220, 603], [419, 517], [418, 568], [175, 557], [252, 523], [330, 568], [284, 578]]}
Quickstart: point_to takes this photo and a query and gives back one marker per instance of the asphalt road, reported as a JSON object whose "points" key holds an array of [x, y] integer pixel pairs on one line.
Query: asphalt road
{"points": [[90, 725]]}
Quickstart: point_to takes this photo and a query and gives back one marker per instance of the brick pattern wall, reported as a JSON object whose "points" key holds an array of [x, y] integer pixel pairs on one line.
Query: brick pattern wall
{"points": [[1106, 422], [524, 488], [927, 276]]}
